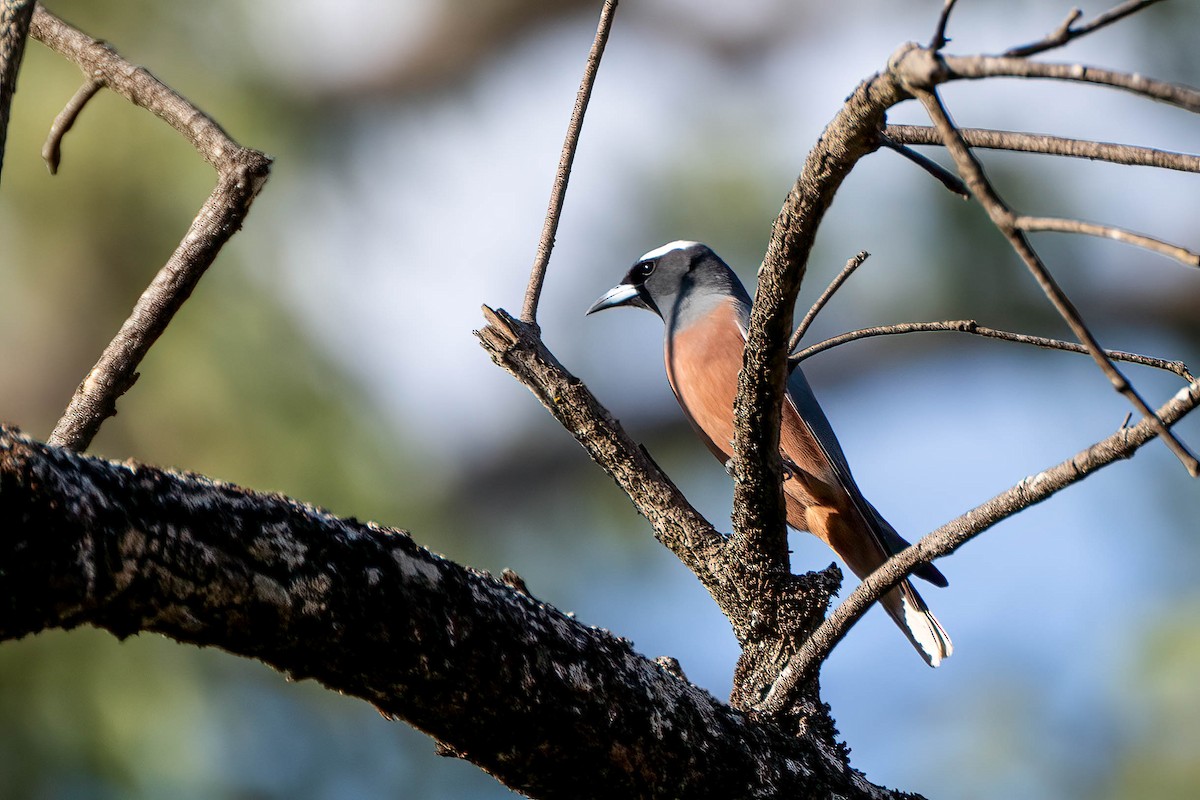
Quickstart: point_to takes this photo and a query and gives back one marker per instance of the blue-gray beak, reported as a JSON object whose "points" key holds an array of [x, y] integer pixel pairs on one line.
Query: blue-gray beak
{"points": [[623, 294]]}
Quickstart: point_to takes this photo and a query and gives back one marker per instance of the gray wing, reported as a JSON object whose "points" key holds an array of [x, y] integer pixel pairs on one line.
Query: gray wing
{"points": [[801, 396]]}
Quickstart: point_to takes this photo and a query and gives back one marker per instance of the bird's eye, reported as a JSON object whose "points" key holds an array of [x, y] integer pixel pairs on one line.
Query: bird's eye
{"points": [[643, 270]]}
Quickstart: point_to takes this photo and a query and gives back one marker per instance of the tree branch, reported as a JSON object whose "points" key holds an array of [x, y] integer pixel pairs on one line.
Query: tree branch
{"points": [[952, 182], [920, 71], [15, 16], [972, 327], [1035, 224], [241, 173], [549, 706], [558, 194], [976, 67], [939, 39], [758, 518], [1051, 145], [52, 148], [835, 284], [954, 534], [1066, 32], [514, 346]]}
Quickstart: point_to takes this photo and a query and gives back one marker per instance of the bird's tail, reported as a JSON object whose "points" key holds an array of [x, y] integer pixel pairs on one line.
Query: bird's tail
{"points": [[913, 617]]}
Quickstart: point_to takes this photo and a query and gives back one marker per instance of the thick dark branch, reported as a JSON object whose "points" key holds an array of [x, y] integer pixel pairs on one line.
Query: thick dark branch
{"points": [[559, 193], [241, 173], [549, 706], [1052, 145], [759, 529], [954, 534]]}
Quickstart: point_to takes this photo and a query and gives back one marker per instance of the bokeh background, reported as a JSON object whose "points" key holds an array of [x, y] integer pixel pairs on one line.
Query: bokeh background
{"points": [[328, 355]]}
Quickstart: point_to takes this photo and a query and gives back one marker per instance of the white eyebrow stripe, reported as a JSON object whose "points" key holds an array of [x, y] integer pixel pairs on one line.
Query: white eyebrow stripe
{"points": [[678, 244]]}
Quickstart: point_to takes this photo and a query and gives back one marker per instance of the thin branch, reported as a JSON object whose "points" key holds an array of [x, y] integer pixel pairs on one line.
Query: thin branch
{"points": [[919, 70], [241, 173], [15, 17], [977, 67], [1051, 145], [52, 149], [949, 537], [558, 194], [972, 327], [1035, 224], [939, 39], [945, 176], [848, 270], [1066, 32]]}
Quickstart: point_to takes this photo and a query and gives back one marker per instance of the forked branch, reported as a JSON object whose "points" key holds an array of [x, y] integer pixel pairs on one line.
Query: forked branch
{"points": [[1067, 31], [920, 71], [241, 173]]}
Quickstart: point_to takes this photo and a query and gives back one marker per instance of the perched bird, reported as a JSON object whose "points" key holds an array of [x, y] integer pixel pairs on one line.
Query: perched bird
{"points": [[706, 310]]}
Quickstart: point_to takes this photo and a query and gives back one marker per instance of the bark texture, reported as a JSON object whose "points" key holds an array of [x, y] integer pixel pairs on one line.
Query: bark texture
{"points": [[548, 705]]}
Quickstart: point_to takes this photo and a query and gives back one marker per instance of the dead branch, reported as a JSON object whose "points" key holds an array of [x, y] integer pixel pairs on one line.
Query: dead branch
{"points": [[1067, 32], [952, 182], [52, 149], [976, 67], [515, 346], [954, 534], [848, 270], [1051, 145], [972, 327], [546, 704], [1035, 224], [920, 73], [241, 173], [558, 194]]}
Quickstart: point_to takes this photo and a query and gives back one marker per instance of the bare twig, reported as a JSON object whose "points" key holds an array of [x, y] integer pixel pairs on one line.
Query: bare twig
{"points": [[1066, 32], [972, 327], [976, 67], [1051, 145], [848, 270], [538, 274], [939, 39], [52, 149], [954, 534], [945, 176], [241, 173], [15, 16], [1034, 224], [919, 69]]}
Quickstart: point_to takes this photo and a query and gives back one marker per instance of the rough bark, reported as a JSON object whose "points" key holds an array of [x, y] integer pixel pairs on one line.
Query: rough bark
{"points": [[548, 705]]}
